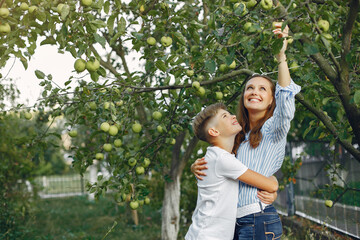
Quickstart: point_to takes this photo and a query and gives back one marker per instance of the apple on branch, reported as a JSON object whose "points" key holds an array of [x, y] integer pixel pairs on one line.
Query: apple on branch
{"points": [[27, 115], [266, 4], [136, 127], [73, 133], [80, 65], [105, 126], [107, 147], [151, 41], [323, 25], [5, 28], [157, 115], [86, 2], [132, 162], [166, 41], [113, 130], [134, 205], [117, 143], [4, 12]]}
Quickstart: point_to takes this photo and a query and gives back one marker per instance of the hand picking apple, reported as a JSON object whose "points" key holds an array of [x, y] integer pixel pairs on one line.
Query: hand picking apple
{"points": [[281, 57]]}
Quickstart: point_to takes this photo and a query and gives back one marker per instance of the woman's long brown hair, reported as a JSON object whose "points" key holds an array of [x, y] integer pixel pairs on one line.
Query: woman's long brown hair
{"points": [[243, 118]]}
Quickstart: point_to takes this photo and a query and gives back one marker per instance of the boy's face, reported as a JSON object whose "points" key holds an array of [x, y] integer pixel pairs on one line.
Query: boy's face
{"points": [[226, 123]]}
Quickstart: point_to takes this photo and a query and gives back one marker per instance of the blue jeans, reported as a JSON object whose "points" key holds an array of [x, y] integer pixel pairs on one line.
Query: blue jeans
{"points": [[264, 225]]}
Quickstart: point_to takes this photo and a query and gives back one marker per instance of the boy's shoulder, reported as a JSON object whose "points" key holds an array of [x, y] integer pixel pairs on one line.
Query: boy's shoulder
{"points": [[215, 152]]}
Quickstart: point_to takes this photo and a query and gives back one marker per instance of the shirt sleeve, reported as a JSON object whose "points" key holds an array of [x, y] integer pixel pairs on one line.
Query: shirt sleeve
{"points": [[228, 166], [279, 124]]}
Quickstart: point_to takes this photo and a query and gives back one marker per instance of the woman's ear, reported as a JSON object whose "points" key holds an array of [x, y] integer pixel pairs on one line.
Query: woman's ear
{"points": [[213, 132]]}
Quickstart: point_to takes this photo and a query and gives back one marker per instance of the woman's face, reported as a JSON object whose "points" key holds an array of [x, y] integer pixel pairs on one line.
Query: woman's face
{"points": [[258, 95]]}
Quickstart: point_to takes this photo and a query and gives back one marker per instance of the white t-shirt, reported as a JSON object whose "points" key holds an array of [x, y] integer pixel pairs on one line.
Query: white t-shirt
{"points": [[215, 213]]}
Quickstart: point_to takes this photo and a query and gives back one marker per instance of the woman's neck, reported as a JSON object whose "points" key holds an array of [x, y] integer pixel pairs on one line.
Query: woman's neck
{"points": [[254, 118]]}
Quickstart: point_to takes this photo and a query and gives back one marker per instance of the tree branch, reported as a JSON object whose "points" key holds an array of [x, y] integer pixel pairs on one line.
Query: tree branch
{"points": [[329, 125], [346, 41]]}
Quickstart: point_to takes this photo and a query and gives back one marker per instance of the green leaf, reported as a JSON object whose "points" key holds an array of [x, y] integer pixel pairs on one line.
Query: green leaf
{"points": [[65, 12], [310, 49], [161, 65], [39, 74], [48, 40], [110, 24], [210, 65], [99, 39], [122, 25], [107, 7], [197, 25], [180, 38], [357, 97]]}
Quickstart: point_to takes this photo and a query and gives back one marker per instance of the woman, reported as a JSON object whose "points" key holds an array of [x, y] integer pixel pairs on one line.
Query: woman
{"points": [[264, 112]]}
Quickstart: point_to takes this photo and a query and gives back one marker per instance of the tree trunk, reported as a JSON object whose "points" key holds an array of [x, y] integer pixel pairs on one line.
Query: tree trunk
{"points": [[171, 210]]}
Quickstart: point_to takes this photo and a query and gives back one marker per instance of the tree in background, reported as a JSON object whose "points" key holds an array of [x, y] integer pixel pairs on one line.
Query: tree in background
{"points": [[187, 54]]}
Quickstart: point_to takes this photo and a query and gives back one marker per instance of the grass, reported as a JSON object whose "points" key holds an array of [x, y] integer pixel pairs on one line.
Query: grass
{"points": [[78, 218]]}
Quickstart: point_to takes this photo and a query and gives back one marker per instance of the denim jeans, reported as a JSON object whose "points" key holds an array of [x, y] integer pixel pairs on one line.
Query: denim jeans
{"points": [[264, 225]]}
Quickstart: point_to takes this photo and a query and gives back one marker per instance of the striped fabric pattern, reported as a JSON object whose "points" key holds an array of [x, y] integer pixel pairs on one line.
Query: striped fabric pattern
{"points": [[267, 158]]}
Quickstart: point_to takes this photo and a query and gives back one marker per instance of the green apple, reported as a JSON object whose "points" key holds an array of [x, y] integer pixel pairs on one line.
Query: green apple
{"points": [[105, 126], [134, 205], [219, 95], [327, 36], [223, 67], [106, 105], [290, 40], [132, 162], [80, 65], [4, 12], [323, 25], [99, 156], [73, 133], [232, 65], [141, 202], [196, 85], [201, 91], [136, 127], [92, 66], [5, 28], [86, 2], [172, 141], [92, 105], [24, 6], [27, 115], [251, 3], [237, 5], [113, 130], [32, 9], [60, 7], [200, 78], [266, 4], [159, 129], [139, 170], [142, 8], [329, 203], [157, 115], [166, 41], [119, 103], [146, 162], [294, 66], [190, 73], [147, 200], [247, 26], [107, 147], [117, 142], [151, 41]]}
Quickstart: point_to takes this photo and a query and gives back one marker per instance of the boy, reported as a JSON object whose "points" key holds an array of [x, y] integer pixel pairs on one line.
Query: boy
{"points": [[215, 213]]}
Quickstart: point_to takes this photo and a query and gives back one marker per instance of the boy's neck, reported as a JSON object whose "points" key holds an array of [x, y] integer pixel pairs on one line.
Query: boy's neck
{"points": [[225, 143]]}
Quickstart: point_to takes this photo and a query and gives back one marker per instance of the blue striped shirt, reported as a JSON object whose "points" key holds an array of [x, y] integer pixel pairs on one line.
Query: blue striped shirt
{"points": [[268, 157]]}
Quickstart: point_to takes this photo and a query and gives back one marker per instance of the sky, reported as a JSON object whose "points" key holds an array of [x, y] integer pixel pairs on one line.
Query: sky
{"points": [[45, 59]]}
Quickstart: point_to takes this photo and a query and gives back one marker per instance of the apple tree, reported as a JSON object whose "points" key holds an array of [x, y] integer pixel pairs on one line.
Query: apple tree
{"points": [[144, 69]]}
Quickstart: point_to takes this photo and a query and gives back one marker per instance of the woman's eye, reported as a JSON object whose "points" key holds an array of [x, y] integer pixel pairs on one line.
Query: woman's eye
{"points": [[262, 88], [249, 87]]}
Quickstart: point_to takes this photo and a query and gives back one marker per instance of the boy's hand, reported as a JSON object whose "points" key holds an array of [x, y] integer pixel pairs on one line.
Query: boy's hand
{"points": [[266, 197], [197, 166]]}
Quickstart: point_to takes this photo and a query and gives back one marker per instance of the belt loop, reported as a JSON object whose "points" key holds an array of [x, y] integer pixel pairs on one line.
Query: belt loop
{"points": [[261, 207]]}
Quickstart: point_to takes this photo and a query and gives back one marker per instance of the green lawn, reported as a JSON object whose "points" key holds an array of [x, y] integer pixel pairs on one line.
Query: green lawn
{"points": [[78, 218]]}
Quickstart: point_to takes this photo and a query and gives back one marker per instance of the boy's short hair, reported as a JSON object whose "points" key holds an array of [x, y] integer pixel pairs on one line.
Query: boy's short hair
{"points": [[203, 117]]}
